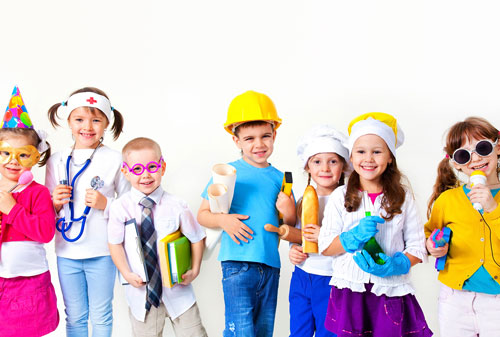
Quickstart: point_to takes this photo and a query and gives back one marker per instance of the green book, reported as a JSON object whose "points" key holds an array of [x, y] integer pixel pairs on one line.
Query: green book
{"points": [[179, 252]]}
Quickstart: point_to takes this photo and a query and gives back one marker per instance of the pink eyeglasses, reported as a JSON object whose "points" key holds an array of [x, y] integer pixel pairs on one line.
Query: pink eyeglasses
{"points": [[138, 168]]}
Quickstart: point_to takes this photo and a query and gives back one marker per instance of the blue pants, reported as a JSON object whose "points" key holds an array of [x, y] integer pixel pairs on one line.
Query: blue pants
{"points": [[250, 296], [87, 287], [309, 295]]}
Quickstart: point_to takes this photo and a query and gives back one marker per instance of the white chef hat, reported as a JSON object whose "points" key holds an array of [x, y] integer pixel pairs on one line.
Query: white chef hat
{"points": [[321, 139], [376, 123]]}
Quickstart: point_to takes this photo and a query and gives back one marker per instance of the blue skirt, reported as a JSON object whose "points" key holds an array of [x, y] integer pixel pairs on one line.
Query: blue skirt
{"points": [[354, 314]]}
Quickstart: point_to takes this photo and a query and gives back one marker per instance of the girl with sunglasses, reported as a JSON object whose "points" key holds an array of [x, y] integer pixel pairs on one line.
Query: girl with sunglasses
{"points": [[28, 305], [84, 180], [469, 299]]}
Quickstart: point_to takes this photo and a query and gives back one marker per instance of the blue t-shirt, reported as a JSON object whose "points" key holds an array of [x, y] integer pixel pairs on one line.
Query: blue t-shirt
{"points": [[481, 281], [255, 194]]}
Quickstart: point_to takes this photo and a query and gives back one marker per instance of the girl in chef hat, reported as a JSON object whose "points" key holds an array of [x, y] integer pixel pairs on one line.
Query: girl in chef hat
{"points": [[326, 160], [371, 293]]}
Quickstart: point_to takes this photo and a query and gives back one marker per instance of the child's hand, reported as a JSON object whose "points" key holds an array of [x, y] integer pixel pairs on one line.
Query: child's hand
{"points": [[189, 276], [7, 202], [285, 204], [61, 195], [134, 279], [295, 255], [436, 252], [480, 193], [311, 232], [95, 199], [236, 229]]}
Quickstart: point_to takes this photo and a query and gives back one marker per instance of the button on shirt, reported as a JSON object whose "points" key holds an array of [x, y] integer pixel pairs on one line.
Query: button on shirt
{"points": [[471, 245], [169, 214]]}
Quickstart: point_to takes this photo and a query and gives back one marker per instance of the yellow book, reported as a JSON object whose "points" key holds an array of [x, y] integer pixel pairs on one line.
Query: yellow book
{"points": [[164, 258]]}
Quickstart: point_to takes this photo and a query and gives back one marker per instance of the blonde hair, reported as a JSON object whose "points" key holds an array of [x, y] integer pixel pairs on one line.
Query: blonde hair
{"points": [[140, 143]]}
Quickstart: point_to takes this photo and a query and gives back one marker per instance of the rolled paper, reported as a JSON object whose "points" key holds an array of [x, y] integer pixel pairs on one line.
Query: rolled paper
{"points": [[225, 174], [218, 198]]}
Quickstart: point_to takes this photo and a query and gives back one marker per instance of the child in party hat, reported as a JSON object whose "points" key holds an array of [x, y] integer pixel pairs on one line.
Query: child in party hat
{"points": [[371, 292], [28, 303]]}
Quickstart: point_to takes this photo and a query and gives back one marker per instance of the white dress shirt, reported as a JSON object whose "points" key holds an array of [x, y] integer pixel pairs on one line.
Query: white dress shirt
{"points": [[169, 214]]}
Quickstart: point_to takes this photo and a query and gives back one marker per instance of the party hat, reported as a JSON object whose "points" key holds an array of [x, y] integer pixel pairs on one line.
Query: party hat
{"points": [[16, 114]]}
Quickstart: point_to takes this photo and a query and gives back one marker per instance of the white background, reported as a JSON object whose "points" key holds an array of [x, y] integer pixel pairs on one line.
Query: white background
{"points": [[172, 67]]}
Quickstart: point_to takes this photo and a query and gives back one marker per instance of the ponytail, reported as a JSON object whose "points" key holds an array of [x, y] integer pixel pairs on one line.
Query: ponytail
{"points": [[446, 180], [52, 113], [117, 127]]}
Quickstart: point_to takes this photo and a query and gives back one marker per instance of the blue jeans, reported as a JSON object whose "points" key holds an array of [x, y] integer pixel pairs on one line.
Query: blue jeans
{"points": [[250, 296], [309, 295], [87, 287]]}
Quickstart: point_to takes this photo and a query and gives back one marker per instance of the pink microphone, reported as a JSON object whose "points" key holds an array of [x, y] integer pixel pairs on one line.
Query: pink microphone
{"points": [[25, 178]]}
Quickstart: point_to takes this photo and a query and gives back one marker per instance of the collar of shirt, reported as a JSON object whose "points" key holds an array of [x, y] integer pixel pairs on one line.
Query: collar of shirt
{"points": [[137, 195]]}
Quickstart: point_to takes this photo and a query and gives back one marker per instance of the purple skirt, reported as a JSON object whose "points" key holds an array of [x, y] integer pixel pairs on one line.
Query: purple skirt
{"points": [[354, 314]]}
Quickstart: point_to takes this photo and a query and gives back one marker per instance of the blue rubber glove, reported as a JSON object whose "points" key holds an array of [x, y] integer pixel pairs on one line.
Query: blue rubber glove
{"points": [[398, 264], [355, 238]]}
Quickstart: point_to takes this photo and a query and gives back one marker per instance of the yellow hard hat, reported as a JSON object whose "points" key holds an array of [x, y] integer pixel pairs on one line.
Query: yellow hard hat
{"points": [[251, 106]]}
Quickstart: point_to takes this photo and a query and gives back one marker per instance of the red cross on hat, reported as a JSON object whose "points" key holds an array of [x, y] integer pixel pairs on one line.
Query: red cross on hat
{"points": [[91, 100]]}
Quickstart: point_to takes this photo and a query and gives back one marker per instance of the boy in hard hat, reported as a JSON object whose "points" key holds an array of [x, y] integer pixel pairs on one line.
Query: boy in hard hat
{"points": [[249, 254]]}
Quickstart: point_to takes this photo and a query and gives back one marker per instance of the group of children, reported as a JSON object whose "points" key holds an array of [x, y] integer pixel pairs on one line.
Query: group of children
{"points": [[92, 191]]}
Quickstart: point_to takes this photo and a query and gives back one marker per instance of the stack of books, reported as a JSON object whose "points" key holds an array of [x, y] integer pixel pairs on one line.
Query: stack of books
{"points": [[175, 258]]}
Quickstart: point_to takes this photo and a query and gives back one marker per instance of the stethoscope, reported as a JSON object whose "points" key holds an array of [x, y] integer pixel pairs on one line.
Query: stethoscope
{"points": [[96, 183]]}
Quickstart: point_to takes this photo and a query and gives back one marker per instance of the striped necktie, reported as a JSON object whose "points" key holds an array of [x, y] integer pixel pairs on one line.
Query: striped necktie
{"points": [[148, 240]]}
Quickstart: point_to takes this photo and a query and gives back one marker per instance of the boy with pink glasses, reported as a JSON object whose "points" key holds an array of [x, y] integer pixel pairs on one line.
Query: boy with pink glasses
{"points": [[157, 214]]}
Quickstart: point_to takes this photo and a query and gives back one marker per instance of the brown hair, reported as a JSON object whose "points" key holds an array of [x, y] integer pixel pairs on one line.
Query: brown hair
{"points": [[251, 124], [31, 136], [458, 134], [392, 188], [140, 143], [117, 126]]}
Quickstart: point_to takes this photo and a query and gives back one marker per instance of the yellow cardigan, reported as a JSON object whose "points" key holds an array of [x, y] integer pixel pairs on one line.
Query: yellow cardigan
{"points": [[470, 241]]}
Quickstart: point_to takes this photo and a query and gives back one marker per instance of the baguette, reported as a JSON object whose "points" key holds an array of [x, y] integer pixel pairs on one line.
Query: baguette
{"points": [[310, 215]]}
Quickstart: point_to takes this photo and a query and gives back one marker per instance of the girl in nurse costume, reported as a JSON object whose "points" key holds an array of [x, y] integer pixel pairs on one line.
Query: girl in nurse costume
{"points": [[86, 178]]}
